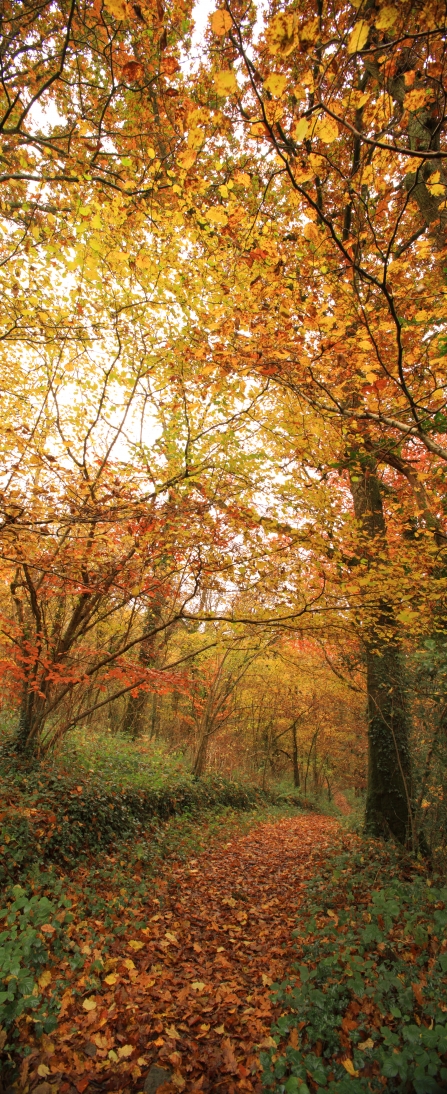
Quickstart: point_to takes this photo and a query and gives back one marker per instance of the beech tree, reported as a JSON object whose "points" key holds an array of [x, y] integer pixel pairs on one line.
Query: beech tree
{"points": [[351, 103]]}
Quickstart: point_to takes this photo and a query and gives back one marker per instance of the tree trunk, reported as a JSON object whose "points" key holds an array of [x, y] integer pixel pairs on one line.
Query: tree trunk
{"points": [[388, 801], [134, 721], [155, 717], [296, 770], [199, 765], [135, 717]]}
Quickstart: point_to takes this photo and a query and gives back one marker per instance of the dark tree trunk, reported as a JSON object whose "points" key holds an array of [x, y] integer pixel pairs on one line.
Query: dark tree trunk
{"points": [[388, 796], [200, 761], [389, 787], [134, 722], [135, 717], [296, 770]]}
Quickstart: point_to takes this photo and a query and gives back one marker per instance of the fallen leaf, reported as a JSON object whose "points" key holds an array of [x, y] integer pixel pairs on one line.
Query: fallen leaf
{"points": [[125, 1051], [364, 1045], [90, 1003], [229, 1058], [349, 1067], [44, 979], [43, 1071], [178, 1080], [173, 1033], [135, 944]]}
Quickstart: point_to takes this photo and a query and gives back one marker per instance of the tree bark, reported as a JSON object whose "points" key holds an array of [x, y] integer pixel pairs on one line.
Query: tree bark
{"points": [[199, 765], [389, 785], [296, 770], [135, 717]]}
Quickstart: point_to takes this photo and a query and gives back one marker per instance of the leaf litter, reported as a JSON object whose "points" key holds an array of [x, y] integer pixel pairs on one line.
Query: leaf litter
{"points": [[187, 985]]}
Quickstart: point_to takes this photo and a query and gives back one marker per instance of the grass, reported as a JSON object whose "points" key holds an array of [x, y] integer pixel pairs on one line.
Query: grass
{"points": [[117, 760]]}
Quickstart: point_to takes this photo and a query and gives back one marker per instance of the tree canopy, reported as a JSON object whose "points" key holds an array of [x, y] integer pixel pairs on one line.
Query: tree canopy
{"points": [[222, 357]]}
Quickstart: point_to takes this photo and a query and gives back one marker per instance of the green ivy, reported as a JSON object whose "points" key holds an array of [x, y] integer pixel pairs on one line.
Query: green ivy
{"points": [[89, 815], [370, 951], [25, 951]]}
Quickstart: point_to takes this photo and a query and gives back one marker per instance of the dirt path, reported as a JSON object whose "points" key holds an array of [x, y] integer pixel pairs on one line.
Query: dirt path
{"points": [[189, 992]]}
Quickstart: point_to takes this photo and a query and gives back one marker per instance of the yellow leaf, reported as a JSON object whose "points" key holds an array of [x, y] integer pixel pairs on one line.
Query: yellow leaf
{"points": [[44, 979], [186, 159], [364, 1045], [242, 178], [221, 22], [358, 36], [386, 18], [281, 34], [349, 1067], [124, 1051], [219, 1029], [135, 944], [197, 985], [415, 100], [266, 980], [326, 129], [196, 138], [310, 231], [257, 129], [437, 190], [90, 1003], [225, 82], [117, 8], [310, 31], [128, 963], [275, 83], [43, 1071], [111, 979], [301, 130], [217, 215]]}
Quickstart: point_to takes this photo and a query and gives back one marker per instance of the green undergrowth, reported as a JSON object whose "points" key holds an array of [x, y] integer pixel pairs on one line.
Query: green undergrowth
{"points": [[55, 813], [365, 1006]]}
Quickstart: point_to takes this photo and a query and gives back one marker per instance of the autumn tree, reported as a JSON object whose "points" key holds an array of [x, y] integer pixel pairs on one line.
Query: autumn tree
{"points": [[342, 105]]}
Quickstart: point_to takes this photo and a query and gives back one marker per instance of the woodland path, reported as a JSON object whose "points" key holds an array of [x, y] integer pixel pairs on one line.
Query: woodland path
{"points": [[196, 1003]]}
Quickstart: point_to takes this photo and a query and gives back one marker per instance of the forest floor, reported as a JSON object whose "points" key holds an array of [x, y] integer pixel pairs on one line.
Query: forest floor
{"points": [[187, 987], [233, 945]]}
